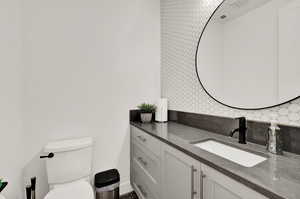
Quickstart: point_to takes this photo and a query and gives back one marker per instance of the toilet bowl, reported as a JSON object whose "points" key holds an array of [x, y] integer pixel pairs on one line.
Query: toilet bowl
{"points": [[72, 160], [75, 190]]}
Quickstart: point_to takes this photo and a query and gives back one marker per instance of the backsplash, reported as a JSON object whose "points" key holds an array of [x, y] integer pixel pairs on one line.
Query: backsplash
{"points": [[181, 24], [256, 131]]}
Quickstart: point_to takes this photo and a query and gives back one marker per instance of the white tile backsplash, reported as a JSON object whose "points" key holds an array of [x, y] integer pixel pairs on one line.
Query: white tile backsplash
{"points": [[181, 24]]}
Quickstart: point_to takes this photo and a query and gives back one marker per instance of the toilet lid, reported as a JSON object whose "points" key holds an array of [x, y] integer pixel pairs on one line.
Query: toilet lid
{"points": [[76, 190]]}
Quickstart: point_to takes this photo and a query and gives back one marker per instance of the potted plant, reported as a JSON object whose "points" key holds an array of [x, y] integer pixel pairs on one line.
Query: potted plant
{"points": [[147, 111], [2, 185]]}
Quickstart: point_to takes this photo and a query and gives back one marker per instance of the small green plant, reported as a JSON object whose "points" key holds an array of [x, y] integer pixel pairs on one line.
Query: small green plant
{"points": [[2, 184], [147, 108]]}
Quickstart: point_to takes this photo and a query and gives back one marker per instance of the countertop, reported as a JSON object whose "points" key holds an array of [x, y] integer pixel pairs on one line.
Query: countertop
{"points": [[278, 177]]}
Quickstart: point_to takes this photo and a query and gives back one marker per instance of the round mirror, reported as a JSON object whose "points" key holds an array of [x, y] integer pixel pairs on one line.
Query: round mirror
{"points": [[248, 55]]}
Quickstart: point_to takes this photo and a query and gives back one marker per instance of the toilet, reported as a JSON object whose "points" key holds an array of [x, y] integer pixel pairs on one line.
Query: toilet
{"points": [[69, 171]]}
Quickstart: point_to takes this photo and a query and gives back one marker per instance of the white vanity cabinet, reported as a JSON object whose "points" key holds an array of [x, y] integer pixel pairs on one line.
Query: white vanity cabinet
{"points": [[180, 175], [159, 171], [218, 186], [145, 164]]}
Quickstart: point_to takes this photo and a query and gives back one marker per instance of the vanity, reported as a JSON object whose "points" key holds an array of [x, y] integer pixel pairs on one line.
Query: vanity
{"points": [[246, 60], [171, 160]]}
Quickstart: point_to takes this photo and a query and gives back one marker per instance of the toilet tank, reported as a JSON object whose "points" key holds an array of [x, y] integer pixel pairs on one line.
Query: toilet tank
{"points": [[72, 160]]}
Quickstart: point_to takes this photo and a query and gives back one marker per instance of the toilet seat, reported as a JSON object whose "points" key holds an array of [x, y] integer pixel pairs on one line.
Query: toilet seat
{"points": [[76, 190]]}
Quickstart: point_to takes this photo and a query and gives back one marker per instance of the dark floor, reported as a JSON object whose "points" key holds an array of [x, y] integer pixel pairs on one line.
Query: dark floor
{"points": [[131, 195]]}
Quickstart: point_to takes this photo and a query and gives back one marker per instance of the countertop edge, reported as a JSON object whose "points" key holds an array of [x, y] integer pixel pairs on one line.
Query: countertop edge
{"points": [[251, 185]]}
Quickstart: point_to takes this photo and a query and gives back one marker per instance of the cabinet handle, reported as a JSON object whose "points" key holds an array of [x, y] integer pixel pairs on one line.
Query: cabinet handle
{"points": [[202, 176], [142, 161], [193, 192], [142, 138], [142, 191]]}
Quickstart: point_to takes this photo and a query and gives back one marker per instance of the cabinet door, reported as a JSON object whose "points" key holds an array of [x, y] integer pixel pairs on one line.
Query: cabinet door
{"points": [[180, 175], [218, 186]]}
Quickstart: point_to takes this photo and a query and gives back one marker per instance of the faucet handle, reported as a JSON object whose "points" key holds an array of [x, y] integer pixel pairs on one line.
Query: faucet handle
{"points": [[233, 132]]}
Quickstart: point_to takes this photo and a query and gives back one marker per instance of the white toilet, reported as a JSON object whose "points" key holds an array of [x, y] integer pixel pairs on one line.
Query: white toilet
{"points": [[70, 169]]}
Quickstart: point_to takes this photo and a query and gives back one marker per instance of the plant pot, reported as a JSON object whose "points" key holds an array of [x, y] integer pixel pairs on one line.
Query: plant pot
{"points": [[146, 117]]}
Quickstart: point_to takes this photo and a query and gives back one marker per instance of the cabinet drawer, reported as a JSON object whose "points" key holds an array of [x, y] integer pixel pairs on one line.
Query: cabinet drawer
{"points": [[147, 161], [146, 140], [141, 185]]}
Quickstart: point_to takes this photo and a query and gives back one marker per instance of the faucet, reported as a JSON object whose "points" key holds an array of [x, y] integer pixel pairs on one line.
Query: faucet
{"points": [[242, 130]]}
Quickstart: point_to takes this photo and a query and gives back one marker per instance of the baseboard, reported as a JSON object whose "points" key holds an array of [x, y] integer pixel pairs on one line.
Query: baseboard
{"points": [[125, 187]]}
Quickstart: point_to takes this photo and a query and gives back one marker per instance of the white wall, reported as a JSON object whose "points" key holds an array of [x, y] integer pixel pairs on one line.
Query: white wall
{"points": [[11, 160], [246, 72], [289, 48], [210, 59], [87, 63]]}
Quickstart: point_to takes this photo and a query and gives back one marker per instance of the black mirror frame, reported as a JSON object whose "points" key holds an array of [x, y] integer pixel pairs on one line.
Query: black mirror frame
{"points": [[196, 67]]}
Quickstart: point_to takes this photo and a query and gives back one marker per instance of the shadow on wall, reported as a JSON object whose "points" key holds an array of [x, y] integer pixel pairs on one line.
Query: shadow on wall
{"points": [[36, 167], [122, 160]]}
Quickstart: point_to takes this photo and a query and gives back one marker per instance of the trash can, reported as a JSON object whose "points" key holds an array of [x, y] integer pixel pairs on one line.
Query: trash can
{"points": [[107, 184]]}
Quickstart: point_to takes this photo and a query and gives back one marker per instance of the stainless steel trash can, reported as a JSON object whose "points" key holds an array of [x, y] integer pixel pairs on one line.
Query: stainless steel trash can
{"points": [[107, 184]]}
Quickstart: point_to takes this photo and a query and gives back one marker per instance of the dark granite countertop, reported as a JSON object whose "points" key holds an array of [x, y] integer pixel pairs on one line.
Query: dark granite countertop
{"points": [[278, 177]]}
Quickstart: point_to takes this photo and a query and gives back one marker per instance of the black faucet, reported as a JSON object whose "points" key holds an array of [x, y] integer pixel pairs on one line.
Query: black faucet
{"points": [[242, 130]]}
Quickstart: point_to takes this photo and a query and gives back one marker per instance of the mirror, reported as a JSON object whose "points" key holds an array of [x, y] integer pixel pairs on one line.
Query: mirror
{"points": [[248, 55]]}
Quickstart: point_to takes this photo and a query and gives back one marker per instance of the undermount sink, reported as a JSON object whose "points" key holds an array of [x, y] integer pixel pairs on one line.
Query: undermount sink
{"points": [[233, 154]]}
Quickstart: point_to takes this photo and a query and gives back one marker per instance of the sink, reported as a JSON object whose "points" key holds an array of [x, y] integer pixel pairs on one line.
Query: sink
{"points": [[233, 154]]}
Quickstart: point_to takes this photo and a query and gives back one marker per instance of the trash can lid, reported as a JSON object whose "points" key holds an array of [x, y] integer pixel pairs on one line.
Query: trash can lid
{"points": [[107, 178]]}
